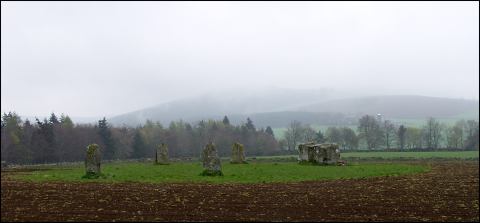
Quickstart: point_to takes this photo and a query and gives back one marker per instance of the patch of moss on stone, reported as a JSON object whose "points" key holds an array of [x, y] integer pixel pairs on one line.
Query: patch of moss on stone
{"points": [[91, 149]]}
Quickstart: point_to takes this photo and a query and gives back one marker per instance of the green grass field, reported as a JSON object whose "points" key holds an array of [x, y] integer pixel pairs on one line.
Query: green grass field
{"points": [[240, 173], [418, 155], [393, 155]]}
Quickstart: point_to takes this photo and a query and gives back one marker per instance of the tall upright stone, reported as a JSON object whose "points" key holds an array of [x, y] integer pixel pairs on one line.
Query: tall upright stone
{"points": [[161, 154], [92, 161], [238, 154], [211, 161]]}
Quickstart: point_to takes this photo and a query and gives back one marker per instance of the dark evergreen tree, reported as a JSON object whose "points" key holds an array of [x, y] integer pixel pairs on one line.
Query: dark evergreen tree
{"points": [[46, 140], [226, 121], [269, 131], [249, 124], [139, 146], [106, 137], [53, 119]]}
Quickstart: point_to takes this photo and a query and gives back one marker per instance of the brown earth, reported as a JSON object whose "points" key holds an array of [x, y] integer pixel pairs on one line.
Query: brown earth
{"points": [[450, 192]]}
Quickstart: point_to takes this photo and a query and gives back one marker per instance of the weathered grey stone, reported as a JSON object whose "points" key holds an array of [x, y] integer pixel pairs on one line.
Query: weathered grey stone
{"points": [[93, 160], [4, 164], [238, 153], [325, 153], [211, 161], [161, 154]]}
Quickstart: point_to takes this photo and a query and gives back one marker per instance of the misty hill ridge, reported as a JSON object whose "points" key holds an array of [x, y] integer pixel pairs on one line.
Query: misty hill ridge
{"points": [[324, 110], [397, 106], [224, 103]]}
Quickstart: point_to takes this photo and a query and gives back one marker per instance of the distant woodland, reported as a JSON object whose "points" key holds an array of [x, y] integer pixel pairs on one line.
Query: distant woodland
{"points": [[59, 139]]}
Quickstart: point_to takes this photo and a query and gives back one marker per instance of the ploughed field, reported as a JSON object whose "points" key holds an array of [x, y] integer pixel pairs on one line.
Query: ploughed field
{"points": [[417, 191]]}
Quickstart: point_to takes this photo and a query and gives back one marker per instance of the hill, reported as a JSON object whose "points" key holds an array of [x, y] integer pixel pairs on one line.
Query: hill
{"points": [[277, 110], [398, 106]]}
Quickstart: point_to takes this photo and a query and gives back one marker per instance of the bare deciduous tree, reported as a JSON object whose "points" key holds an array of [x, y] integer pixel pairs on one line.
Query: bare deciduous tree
{"points": [[432, 133], [413, 138], [455, 135], [293, 134], [369, 130], [308, 134], [472, 133], [334, 135], [349, 138], [388, 133], [401, 136]]}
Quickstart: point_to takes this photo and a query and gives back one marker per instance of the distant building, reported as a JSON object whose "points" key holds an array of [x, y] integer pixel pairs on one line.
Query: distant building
{"points": [[379, 118]]}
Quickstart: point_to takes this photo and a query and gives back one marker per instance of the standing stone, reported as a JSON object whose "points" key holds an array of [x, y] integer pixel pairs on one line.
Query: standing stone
{"points": [[211, 161], [305, 153], [325, 153], [238, 154], [161, 154], [92, 161]]}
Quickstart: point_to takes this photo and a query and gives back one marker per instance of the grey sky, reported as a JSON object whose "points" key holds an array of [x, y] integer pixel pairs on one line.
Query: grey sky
{"points": [[108, 58]]}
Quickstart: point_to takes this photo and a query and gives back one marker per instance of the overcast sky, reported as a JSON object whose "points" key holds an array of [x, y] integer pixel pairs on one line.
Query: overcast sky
{"points": [[108, 58]]}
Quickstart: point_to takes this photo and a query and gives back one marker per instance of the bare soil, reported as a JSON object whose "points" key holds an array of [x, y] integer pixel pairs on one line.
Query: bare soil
{"points": [[450, 192]]}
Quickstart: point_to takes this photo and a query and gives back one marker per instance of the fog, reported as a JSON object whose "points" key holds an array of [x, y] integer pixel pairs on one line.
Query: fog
{"points": [[108, 58]]}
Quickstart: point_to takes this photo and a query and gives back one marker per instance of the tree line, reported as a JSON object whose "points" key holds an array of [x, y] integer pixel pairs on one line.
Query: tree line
{"points": [[60, 140], [374, 134]]}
